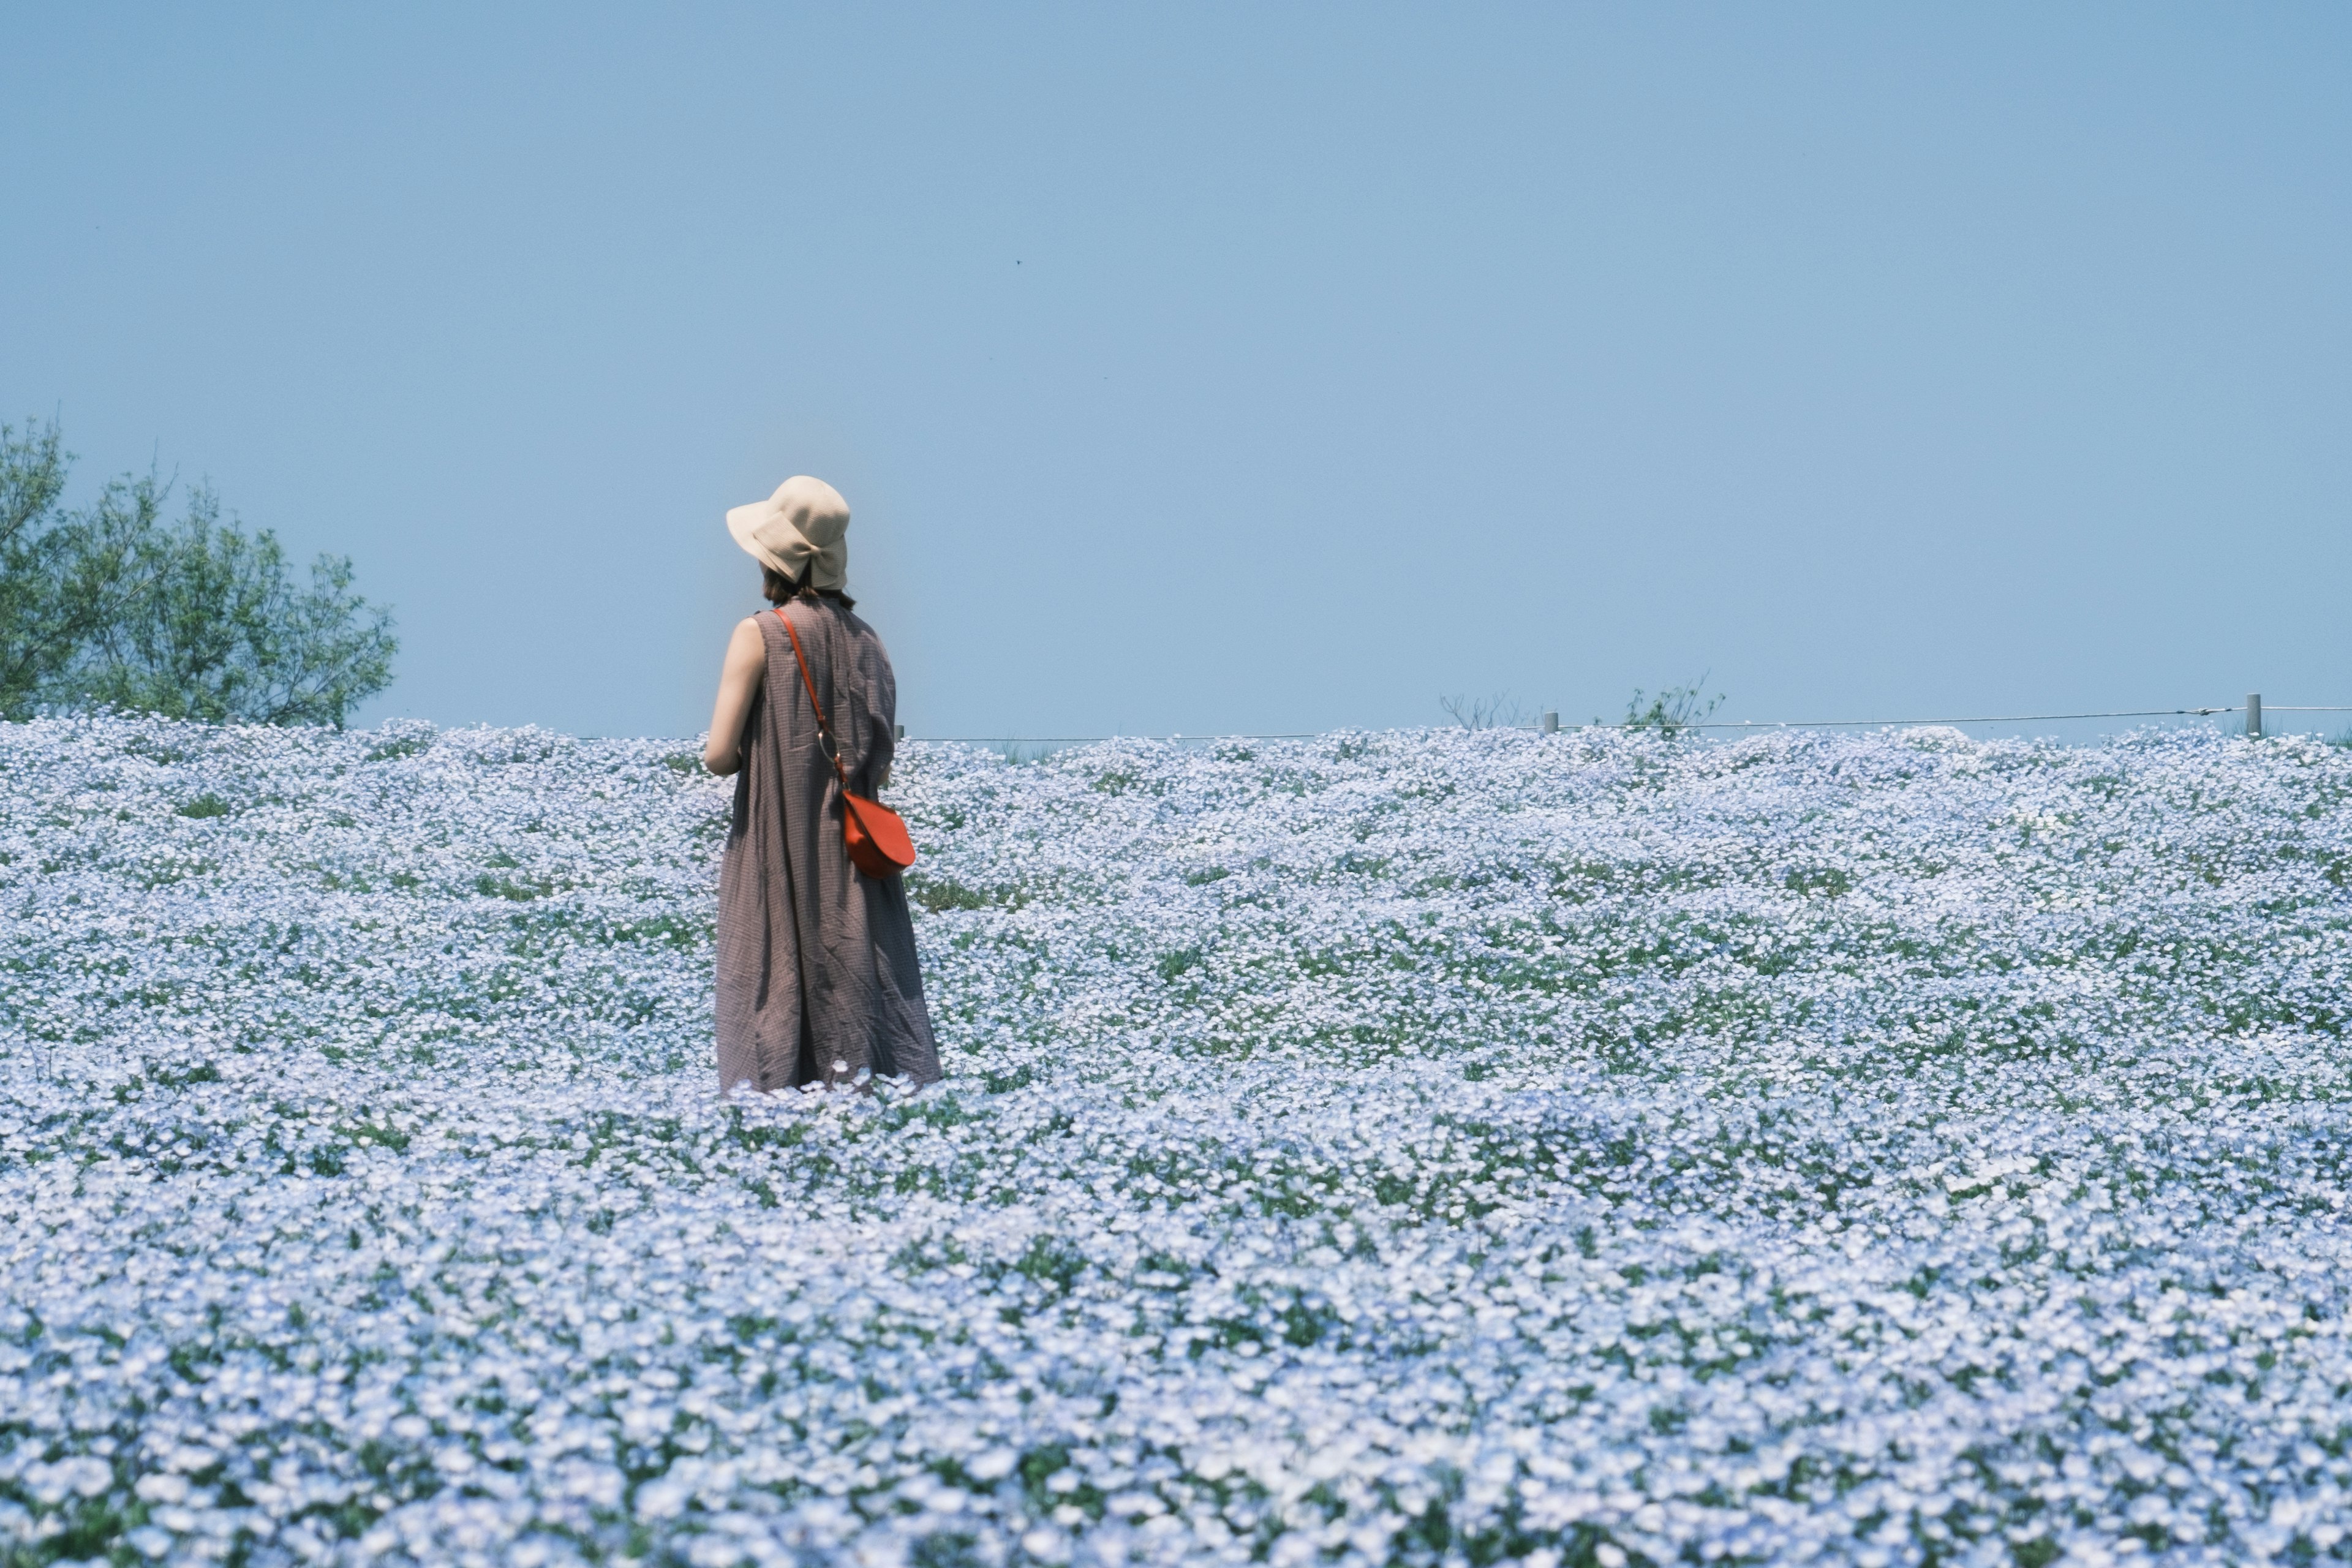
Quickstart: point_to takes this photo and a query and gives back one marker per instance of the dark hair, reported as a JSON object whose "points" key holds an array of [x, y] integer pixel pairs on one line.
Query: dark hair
{"points": [[780, 588]]}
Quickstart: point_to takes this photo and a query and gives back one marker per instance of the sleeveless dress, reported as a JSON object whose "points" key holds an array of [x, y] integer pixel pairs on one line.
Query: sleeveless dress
{"points": [[817, 976]]}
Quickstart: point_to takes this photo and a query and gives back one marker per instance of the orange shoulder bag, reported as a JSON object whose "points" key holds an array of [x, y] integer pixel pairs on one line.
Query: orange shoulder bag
{"points": [[876, 837]]}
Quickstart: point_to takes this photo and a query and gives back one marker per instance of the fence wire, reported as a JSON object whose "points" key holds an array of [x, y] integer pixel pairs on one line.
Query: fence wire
{"points": [[1746, 724]]}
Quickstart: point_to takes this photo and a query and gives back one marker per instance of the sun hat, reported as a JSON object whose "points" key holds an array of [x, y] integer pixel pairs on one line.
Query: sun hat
{"points": [[799, 528]]}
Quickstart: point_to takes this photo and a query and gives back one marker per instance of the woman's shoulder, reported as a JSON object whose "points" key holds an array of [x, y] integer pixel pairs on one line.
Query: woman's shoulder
{"points": [[865, 642], [808, 615], [809, 612]]}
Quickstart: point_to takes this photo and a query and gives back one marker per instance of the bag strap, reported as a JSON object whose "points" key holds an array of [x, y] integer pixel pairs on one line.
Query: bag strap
{"points": [[824, 729]]}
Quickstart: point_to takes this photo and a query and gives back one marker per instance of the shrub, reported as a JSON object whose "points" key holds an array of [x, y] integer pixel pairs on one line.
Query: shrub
{"points": [[1675, 711], [111, 606], [1496, 712]]}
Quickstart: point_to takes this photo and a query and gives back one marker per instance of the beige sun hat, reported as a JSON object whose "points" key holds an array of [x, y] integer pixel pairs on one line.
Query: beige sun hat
{"points": [[799, 528]]}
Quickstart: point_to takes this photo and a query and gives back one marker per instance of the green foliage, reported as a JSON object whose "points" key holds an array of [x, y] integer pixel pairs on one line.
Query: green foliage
{"points": [[1829, 880], [109, 605], [220, 631], [944, 893], [1174, 966], [1673, 711], [406, 744], [62, 574]]}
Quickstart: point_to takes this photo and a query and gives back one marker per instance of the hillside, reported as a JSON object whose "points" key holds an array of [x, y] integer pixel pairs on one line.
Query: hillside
{"points": [[1417, 1148]]}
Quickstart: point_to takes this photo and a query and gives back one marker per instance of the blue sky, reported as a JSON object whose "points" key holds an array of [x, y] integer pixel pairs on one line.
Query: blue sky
{"points": [[1235, 368]]}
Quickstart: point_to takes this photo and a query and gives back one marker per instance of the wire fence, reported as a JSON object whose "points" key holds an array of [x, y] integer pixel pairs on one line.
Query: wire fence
{"points": [[2253, 708], [1994, 719]]}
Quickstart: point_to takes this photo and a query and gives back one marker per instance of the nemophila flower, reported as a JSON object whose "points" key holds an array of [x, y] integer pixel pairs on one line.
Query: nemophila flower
{"points": [[1420, 1148]]}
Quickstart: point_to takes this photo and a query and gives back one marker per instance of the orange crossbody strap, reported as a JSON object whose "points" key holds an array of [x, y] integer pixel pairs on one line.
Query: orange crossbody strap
{"points": [[875, 836], [824, 727]]}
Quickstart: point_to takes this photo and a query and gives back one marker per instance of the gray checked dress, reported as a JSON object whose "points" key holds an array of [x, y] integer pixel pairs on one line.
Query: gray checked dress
{"points": [[817, 975]]}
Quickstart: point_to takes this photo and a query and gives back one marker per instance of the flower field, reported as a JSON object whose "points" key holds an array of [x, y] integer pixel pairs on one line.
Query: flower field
{"points": [[1432, 1148]]}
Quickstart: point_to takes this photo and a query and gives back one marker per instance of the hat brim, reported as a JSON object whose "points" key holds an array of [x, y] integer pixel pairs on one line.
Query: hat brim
{"points": [[741, 522]]}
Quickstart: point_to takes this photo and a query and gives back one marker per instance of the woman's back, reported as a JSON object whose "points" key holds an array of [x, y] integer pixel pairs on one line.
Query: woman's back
{"points": [[818, 980], [851, 671]]}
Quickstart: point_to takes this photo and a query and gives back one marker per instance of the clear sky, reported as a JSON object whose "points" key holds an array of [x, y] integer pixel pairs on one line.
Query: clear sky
{"points": [[1219, 368]]}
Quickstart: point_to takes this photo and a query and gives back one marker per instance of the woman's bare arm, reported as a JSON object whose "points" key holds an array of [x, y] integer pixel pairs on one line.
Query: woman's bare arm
{"points": [[739, 683]]}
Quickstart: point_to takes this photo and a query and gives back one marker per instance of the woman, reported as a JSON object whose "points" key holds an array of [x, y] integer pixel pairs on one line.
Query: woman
{"points": [[817, 977]]}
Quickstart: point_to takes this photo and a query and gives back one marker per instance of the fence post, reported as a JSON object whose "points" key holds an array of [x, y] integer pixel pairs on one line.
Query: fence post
{"points": [[1552, 721], [2253, 715]]}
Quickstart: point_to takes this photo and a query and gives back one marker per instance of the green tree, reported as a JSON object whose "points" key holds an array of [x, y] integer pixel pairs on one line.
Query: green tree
{"points": [[61, 573], [197, 620]]}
